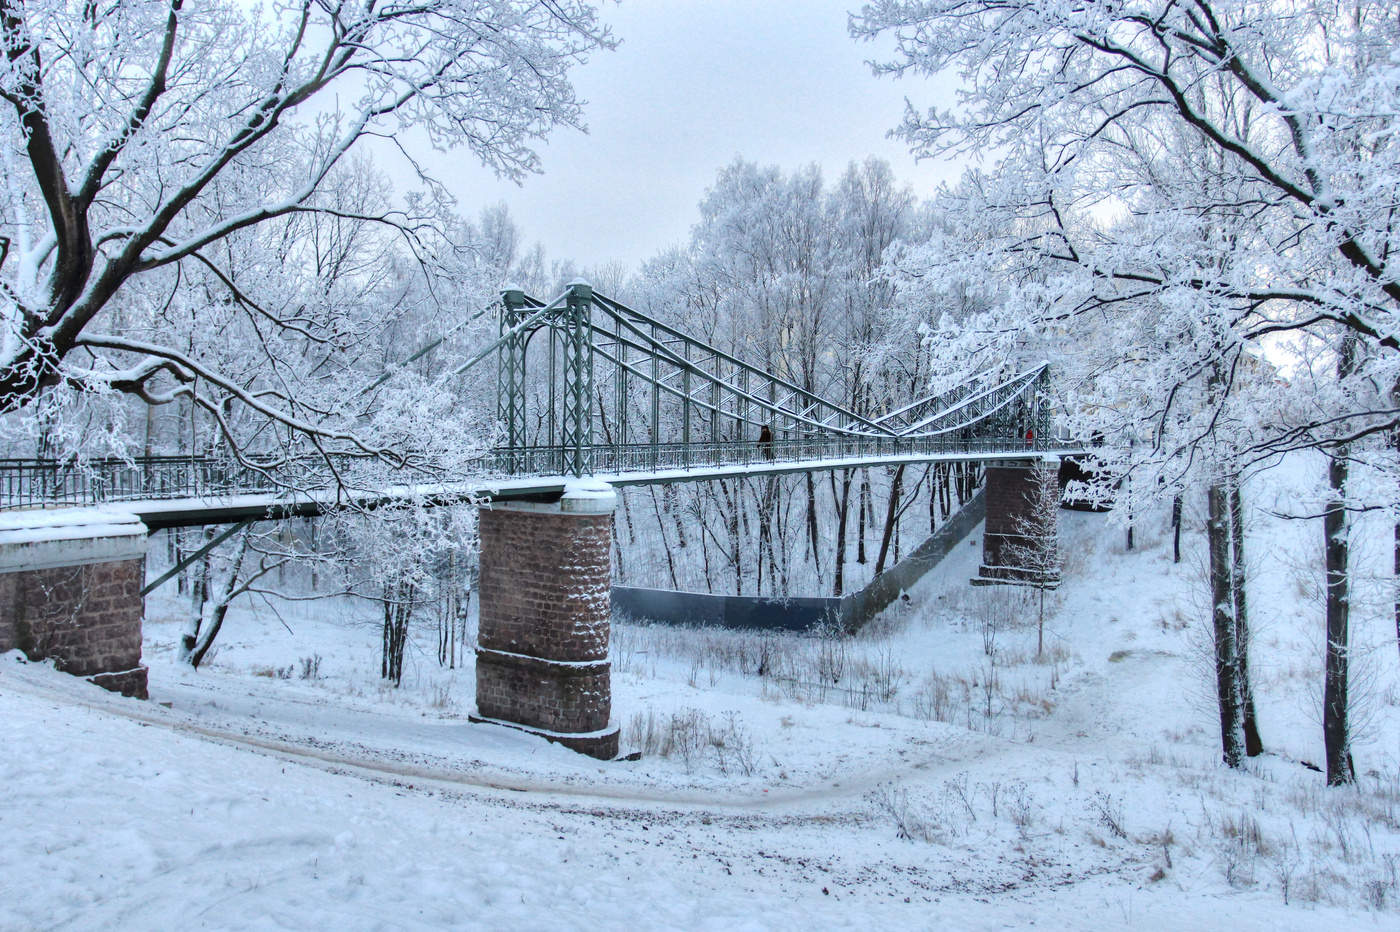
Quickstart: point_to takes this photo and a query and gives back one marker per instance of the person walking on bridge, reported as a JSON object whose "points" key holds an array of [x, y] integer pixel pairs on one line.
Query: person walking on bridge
{"points": [[765, 442]]}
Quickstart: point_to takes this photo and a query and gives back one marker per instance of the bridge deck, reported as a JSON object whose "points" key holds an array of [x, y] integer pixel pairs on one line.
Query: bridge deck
{"points": [[228, 508]]}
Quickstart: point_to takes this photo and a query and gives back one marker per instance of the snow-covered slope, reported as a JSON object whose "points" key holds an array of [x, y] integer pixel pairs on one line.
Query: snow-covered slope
{"points": [[931, 773]]}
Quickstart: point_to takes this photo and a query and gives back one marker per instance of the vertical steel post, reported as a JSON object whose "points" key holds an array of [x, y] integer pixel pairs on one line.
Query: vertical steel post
{"points": [[622, 384], [1042, 406], [744, 405], [576, 427], [685, 406], [552, 420], [510, 384], [714, 405], [655, 400], [773, 412]]}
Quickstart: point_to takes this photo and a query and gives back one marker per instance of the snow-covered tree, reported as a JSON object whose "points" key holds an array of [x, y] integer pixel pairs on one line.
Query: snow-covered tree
{"points": [[146, 143], [1180, 190]]}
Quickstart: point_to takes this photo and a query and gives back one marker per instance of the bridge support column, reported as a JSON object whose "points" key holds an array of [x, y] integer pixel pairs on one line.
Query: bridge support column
{"points": [[1016, 522], [70, 591], [546, 612]]}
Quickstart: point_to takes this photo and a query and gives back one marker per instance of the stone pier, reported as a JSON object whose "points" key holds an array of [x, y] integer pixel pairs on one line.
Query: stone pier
{"points": [[1012, 524], [70, 591], [542, 644]]}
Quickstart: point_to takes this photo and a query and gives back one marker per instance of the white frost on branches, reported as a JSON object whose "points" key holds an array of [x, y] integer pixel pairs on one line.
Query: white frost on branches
{"points": [[193, 215], [1194, 203]]}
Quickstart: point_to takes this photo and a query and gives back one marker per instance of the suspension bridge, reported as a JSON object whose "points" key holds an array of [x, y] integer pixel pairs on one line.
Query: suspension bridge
{"points": [[590, 395], [586, 386]]}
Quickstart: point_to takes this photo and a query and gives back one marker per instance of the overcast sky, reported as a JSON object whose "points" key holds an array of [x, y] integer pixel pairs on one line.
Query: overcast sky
{"points": [[693, 84]]}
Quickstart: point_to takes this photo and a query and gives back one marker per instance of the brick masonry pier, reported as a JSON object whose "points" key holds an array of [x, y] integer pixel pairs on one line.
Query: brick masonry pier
{"points": [[542, 644], [1011, 492], [70, 591]]}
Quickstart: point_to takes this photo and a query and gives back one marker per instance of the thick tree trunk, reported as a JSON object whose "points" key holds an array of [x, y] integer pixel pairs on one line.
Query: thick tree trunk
{"points": [[1335, 734], [1223, 622], [862, 502], [1176, 529], [842, 513], [197, 646], [1253, 746], [891, 516], [1336, 526], [216, 624]]}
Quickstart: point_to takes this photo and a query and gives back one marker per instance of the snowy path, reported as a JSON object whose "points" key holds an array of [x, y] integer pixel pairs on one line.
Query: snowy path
{"points": [[339, 754], [112, 822], [261, 799]]}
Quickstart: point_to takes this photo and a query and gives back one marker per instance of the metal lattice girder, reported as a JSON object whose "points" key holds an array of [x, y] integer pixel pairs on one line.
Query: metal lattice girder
{"points": [[510, 385], [798, 412], [713, 406], [576, 423], [902, 418], [1016, 398]]}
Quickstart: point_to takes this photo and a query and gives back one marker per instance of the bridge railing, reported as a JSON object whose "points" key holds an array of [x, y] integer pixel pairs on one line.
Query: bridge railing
{"points": [[660, 457], [33, 483], [49, 483]]}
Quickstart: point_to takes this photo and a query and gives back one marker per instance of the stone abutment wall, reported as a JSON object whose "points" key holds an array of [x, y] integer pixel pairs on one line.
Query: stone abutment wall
{"points": [[1014, 523], [70, 591], [542, 644]]}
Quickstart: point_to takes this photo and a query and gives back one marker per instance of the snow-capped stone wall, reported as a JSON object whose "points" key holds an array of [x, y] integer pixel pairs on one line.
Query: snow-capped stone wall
{"points": [[70, 591], [542, 644]]}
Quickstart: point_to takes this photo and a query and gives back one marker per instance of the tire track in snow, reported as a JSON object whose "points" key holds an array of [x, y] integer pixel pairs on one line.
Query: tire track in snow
{"points": [[847, 788]]}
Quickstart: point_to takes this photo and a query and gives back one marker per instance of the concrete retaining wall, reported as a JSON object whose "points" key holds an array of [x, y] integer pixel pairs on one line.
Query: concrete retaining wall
{"points": [[752, 613], [860, 608], [670, 606]]}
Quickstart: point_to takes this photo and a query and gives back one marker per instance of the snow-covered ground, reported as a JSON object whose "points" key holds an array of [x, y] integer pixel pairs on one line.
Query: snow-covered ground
{"points": [[931, 772]]}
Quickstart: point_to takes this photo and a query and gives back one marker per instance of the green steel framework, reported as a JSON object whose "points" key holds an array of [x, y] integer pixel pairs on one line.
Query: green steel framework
{"points": [[634, 388], [614, 392]]}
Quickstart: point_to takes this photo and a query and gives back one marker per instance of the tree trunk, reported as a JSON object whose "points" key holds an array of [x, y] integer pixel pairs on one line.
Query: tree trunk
{"points": [[1223, 622], [665, 544], [1335, 734], [933, 498], [398, 609], [1176, 529], [1336, 526], [891, 515], [199, 646], [216, 624], [842, 513], [1253, 745], [861, 501]]}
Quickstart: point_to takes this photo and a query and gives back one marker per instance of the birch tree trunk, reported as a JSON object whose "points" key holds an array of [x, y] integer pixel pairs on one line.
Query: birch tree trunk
{"points": [[1253, 745], [1223, 620], [1336, 530]]}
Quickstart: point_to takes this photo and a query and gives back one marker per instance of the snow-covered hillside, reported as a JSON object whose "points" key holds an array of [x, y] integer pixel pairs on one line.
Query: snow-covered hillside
{"points": [[932, 772]]}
